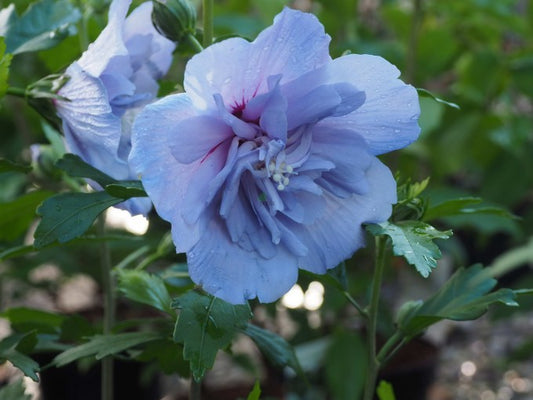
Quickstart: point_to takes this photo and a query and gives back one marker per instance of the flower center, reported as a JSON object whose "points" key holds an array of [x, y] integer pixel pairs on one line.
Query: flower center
{"points": [[280, 174]]}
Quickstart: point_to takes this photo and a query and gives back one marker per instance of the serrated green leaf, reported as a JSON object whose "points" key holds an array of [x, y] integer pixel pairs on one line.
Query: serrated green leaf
{"points": [[465, 296], [101, 346], [74, 166], [205, 325], [276, 349], [255, 394], [10, 352], [427, 93], [145, 288], [17, 215], [68, 215], [385, 391], [126, 189], [43, 25], [14, 391], [414, 241], [5, 62], [7, 165]]}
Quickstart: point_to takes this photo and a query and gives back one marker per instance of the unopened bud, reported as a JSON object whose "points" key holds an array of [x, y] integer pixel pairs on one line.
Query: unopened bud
{"points": [[174, 19]]}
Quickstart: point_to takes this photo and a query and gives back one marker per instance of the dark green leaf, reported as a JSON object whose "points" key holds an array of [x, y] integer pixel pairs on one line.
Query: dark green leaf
{"points": [[74, 166], [10, 352], [22, 318], [5, 61], [16, 251], [205, 325], [335, 277], [145, 288], [102, 346], [276, 349], [427, 93], [68, 215], [14, 391], [43, 25], [345, 366], [385, 392], [414, 241], [126, 189], [464, 297], [7, 165], [450, 207], [17, 215], [255, 393], [168, 355]]}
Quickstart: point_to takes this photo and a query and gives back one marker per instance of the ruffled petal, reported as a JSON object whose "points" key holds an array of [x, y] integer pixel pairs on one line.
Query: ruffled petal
{"points": [[337, 234], [234, 274], [388, 119], [91, 129], [238, 70], [165, 179]]}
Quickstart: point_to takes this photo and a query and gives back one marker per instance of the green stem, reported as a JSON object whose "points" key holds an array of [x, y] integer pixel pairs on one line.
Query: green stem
{"points": [[196, 390], [373, 362], [109, 309], [15, 91], [194, 42], [354, 303], [208, 22], [389, 347], [82, 29], [416, 22]]}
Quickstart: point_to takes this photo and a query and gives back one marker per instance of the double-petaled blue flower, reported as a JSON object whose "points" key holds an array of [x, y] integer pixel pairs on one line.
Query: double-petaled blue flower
{"points": [[108, 86], [267, 163]]}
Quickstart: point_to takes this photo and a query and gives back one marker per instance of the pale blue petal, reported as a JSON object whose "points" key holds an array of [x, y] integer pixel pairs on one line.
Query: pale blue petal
{"points": [[229, 272], [239, 70], [337, 234], [388, 119]]}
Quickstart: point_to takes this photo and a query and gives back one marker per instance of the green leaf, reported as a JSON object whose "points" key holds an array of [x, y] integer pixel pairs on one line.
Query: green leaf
{"points": [[168, 355], [255, 393], [205, 325], [68, 215], [145, 288], [26, 319], [74, 166], [414, 241], [276, 349], [427, 93], [465, 296], [9, 351], [385, 391], [346, 365], [126, 189], [102, 346], [7, 165], [5, 61], [43, 25], [17, 215], [462, 206], [14, 391]]}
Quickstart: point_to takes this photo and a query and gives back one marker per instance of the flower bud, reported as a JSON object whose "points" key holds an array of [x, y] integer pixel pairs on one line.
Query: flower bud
{"points": [[174, 19]]}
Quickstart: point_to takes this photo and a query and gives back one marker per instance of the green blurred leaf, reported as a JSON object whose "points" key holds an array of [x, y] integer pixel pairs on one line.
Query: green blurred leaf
{"points": [[450, 207], [5, 61], [345, 366], [10, 352], [255, 394], [427, 93], [17, 215], [10, 166], [465, 296], [101, 346], [414, 241], [145, 288], [205, 325], [68, 215], [385, 391], [27, 319], [43, 25], [74, 166], [168, 355], [14, 391], [276, 349], [126, 189]]}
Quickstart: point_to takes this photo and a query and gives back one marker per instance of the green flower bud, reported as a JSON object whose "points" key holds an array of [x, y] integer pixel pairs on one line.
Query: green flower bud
{"points": [[174, 19]]}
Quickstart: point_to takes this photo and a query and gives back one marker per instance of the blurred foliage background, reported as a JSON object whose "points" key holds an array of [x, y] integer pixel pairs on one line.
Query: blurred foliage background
{"points": [[477, 54]]}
